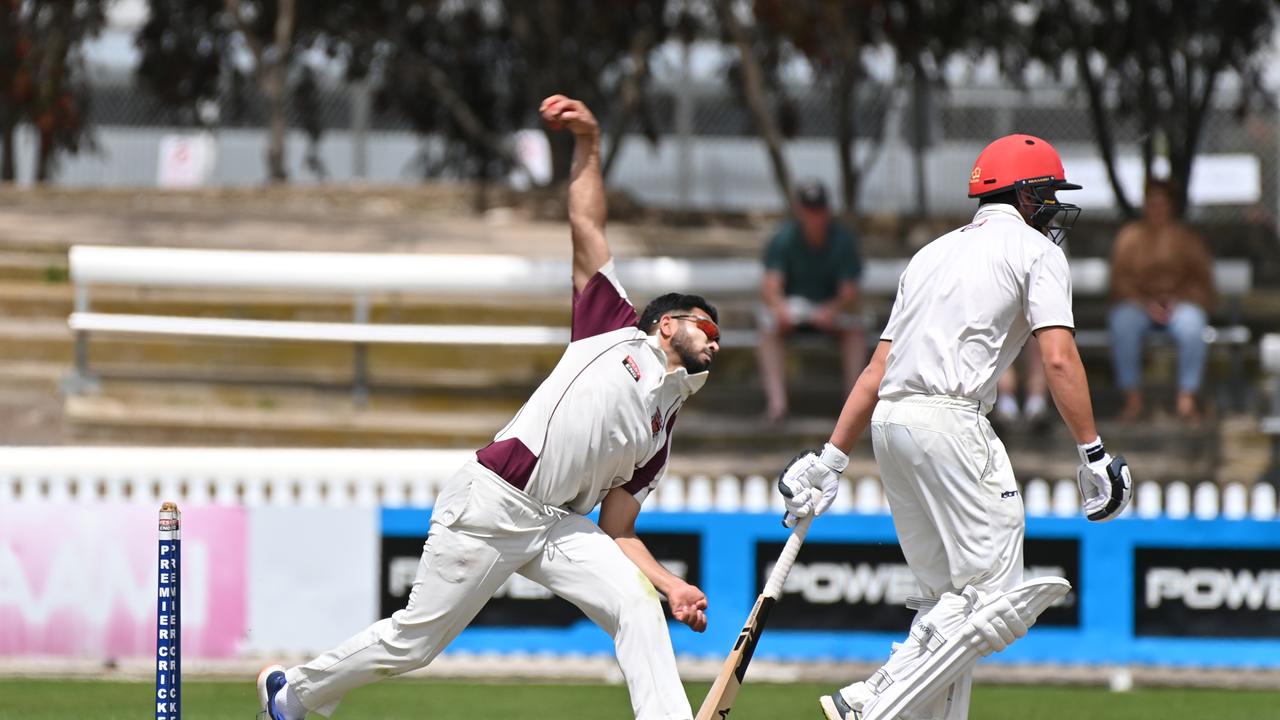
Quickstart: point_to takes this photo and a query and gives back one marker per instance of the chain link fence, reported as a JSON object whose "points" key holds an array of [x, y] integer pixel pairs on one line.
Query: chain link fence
{"points": [[718, 162]]}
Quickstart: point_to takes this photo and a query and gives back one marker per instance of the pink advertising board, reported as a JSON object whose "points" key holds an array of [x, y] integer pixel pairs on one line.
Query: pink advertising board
{"points": [[80, 580]]}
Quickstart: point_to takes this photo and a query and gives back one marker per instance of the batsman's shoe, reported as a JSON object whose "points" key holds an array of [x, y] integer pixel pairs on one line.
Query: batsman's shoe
{"points": [[270, 681], [834, 707]]}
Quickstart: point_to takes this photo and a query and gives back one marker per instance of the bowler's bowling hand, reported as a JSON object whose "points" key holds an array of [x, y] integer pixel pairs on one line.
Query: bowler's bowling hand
{"points": [[689, 606], [559, 112]]}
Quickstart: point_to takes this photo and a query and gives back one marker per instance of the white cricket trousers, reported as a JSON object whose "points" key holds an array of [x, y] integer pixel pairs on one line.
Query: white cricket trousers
{"points": [[482, 531], [959, 518], [955, 503]]}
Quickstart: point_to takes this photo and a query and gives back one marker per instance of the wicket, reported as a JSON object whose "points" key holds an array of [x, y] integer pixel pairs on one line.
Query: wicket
{"points": [[169, 616]]}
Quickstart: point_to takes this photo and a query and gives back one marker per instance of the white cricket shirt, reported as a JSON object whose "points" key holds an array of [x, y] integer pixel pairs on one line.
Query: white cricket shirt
{"points": [[603, 418], [967, 303]]}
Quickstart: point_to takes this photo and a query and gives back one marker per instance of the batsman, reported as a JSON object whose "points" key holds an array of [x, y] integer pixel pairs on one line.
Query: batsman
{"points": [[597, 431], [966, 304]]}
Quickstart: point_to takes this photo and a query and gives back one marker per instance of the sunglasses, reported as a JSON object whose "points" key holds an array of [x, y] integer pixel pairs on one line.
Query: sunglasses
{"points": [[705, 324]]}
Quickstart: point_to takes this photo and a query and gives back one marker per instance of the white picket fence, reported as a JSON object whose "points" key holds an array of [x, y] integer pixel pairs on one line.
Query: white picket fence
{"points": [[400, 478]]}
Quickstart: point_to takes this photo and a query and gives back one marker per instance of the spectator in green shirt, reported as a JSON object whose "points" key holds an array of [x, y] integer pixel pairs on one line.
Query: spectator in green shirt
{"points": [[811, 272]]}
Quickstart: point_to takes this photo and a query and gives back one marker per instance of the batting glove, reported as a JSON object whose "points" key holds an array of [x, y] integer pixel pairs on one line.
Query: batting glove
{"points": [[810, 482], [1104, 482]]}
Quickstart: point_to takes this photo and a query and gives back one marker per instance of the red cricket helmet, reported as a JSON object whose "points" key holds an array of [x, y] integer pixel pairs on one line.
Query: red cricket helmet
{"points": [[1030, 167], [1013, 158]]}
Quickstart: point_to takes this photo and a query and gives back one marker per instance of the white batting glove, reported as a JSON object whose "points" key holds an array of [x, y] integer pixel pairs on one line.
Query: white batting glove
{"points": [[1105, 483], [810, 482]]}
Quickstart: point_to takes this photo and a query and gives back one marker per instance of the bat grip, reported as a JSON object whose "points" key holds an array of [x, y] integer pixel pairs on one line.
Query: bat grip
{"points": [[773, 587]]}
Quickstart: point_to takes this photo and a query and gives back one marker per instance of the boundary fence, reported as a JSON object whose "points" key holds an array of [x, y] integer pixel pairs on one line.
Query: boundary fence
{"points": [[253, 477]]}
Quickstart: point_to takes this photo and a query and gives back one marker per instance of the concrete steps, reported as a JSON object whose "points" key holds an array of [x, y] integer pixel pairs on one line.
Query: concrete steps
{"points": [[32, 266], [187, 392], [192, 392], [104, 420], [708, 442]]}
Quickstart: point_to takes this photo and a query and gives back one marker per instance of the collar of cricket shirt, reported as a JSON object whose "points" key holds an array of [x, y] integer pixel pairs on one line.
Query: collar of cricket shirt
{"points": [[687, 382], [986, 211]]}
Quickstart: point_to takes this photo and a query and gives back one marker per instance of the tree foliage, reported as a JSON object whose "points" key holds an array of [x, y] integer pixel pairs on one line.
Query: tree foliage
{"points": [[470, 72], [475, 71], [1156, 64], [43, 80], [213, 59], [836, 38]]}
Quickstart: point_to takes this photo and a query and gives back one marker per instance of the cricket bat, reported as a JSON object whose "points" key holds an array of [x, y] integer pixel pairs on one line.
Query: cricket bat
{"points": [[725, 689]]}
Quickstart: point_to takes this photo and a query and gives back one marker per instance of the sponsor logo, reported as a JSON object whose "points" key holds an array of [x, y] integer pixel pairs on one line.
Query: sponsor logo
{"points": [[976, 175], [826, 583], [1218, 592], [630, 364], [521, 602], [1008, 494], [865, 586], [1211, 588], [656, 422]]}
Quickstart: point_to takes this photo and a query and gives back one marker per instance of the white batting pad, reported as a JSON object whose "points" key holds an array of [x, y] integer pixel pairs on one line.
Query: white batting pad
{"points": [[949, 640]]}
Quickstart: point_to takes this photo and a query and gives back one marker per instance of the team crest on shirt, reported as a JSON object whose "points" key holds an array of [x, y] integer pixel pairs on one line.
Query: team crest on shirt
{"points": [[656, 422], [632, 367]]}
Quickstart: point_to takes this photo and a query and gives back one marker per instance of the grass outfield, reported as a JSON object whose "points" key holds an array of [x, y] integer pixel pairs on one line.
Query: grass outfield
{"points": [[431, 700]]}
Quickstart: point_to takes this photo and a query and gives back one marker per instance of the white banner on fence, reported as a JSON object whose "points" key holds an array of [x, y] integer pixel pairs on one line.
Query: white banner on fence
{"points": [[186, 160], [313, 577], [1223, 179], [80, 580]]}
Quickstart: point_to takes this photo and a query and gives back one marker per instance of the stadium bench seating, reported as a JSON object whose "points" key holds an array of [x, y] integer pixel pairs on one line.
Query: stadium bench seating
{"points": [[364, 276]]}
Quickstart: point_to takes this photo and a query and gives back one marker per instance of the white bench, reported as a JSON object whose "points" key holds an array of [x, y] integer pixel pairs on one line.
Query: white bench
{"points": [[363, 276]]}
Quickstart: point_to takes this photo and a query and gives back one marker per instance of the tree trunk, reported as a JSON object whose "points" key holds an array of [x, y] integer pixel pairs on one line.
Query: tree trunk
{"points": [[920, 133], [8, 167], [1196, 108], [44, 158], [850, 54], [1097, 113], [753, 90], [273, 91], [1148, 110], [1102, 131], [561, 144], [556, 73], [632, 86], [52, 59], [274, 79], [473, 126]]}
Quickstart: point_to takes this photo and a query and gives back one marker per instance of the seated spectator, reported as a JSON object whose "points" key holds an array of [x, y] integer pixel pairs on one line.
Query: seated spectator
{"points": [[1161, 280], [1034, 410], [811, 271]]}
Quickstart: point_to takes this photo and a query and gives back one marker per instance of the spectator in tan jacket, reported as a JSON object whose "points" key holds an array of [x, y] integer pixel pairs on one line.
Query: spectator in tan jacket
{"points": [[1161, 280]]}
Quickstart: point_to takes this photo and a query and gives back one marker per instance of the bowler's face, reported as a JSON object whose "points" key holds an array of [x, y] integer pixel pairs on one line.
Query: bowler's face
{"points": [[696, 341]]}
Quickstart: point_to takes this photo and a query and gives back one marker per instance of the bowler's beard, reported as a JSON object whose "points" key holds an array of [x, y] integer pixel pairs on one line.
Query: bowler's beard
{"points": [[689, 358]]}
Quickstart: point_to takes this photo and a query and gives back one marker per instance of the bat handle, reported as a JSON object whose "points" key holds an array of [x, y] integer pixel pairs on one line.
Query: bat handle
{"points": [[773, 587]]}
